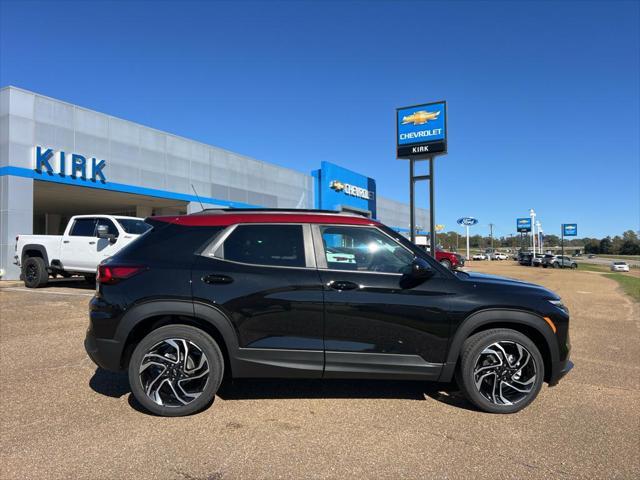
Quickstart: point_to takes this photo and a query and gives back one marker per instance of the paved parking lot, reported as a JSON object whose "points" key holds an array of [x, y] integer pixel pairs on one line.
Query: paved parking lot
{"points": [[62, 418]]}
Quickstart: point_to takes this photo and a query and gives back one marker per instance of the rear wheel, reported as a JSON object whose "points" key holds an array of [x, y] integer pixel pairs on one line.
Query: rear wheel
{"points": [[445, 263], [34, 272], [176, 370], [501, 370], [574, 266]]}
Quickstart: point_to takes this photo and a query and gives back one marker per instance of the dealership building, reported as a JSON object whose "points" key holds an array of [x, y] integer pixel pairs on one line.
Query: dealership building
{"points": [[58, 160]]}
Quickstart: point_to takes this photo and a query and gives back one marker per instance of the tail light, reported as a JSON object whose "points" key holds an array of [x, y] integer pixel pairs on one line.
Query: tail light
{"points": [[111, 274]]}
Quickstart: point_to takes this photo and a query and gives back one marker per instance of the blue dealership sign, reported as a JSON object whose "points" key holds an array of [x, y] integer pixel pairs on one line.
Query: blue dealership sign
{"points": [[523, 225], [421, 130], [338, 188], [467, 221], [570, 229]]}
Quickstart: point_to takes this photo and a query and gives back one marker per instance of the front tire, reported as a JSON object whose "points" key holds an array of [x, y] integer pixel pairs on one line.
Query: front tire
{"points": [[501, 370], [446, 263], [34, 272], [176, 370]]}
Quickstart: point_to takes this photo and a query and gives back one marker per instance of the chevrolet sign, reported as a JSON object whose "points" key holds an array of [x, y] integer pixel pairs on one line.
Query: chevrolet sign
{"points": [[352, 190], [421, 130]]}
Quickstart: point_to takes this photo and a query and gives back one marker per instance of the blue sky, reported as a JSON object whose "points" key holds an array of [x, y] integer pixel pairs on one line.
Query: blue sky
{"points": [[543, 98]]}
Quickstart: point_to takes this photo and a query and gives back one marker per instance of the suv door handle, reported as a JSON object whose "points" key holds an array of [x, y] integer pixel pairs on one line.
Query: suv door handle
{"points": [[217, 279], [92, 243], [342, 285], [65, 241]]}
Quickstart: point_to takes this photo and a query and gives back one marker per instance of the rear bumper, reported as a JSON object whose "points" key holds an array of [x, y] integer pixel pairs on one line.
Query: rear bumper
{"points": [[103, 352]]}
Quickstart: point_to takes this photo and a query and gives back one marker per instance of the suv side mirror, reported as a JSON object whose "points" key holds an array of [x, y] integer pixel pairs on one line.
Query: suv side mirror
{"points": [[417, 272], [103, 232]]}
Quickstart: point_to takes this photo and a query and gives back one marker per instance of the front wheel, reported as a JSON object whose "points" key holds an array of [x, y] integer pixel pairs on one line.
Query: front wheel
{"points": [[176, 370], [446, 263], [500, 371]]}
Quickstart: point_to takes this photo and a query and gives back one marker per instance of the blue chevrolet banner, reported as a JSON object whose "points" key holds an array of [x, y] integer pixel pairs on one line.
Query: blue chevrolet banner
{"points": [[523, 225], [570, 229], [422, 129]]}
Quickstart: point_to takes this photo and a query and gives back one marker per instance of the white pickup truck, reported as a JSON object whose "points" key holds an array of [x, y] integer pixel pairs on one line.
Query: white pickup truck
{"points": [[87, 240]]}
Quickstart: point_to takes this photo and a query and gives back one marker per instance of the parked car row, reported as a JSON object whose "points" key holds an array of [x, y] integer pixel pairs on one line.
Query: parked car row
{"points": [[545, 260], [490, 256]]}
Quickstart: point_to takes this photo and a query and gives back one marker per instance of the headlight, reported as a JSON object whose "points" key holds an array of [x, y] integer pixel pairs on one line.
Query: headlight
{"points": [[559, 304]]}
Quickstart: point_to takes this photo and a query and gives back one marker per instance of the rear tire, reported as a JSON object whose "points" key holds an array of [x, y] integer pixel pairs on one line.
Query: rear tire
{"points": [[501, 370], [34, 272], [176, 370]]}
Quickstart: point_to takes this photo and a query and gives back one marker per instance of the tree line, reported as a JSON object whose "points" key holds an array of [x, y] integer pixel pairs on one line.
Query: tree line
{"points": [[627, 244]]}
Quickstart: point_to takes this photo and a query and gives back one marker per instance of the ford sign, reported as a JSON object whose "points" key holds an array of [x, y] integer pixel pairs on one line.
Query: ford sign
{"points": [[467, 221]]}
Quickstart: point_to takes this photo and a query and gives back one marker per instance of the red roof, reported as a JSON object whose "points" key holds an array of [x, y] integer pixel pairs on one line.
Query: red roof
{"points": [[223, 219]]}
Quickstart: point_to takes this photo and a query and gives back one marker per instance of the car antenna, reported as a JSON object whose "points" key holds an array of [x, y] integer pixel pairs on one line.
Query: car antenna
{"points": [[197, 196]]}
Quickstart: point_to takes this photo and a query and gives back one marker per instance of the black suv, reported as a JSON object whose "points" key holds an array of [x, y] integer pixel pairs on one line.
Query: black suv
{"points": [[309, 294]]}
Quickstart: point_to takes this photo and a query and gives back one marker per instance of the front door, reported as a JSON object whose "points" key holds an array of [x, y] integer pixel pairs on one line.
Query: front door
{"points": [[375, 327], [79, 247], [263, 277]]}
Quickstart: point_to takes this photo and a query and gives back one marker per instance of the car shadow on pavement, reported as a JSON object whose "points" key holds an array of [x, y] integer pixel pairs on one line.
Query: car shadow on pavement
{"points": [[116, 385]]}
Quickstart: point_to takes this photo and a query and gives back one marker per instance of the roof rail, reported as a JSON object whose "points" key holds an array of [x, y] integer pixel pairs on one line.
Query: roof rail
{"points": [[217, 211]]}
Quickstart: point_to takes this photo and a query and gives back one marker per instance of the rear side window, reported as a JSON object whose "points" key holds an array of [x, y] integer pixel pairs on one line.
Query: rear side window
{"points": [[133, 226], [277, 245], [83, 227]]}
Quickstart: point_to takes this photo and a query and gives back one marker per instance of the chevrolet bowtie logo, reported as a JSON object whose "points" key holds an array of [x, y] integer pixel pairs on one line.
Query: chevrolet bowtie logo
{"points": [[337, 185], [420, 118]]}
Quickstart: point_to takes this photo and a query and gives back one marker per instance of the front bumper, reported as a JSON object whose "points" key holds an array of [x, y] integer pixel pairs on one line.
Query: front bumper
{"points": [[559, 371]]}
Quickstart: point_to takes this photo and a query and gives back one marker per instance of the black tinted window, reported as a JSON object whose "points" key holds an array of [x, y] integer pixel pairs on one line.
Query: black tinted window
{"points": [[280, 245], [83, 227], [136, 227], [111, 228]]}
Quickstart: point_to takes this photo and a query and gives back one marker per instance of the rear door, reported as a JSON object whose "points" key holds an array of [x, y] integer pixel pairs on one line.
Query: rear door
{"points": [[264, 278], [374, 326], [79, 246]]}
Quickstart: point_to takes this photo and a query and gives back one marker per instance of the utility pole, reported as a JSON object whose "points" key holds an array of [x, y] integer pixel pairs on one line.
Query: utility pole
{"points": [[491, 234], [532, 214]]}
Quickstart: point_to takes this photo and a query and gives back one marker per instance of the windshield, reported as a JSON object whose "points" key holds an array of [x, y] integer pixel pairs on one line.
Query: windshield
{"points": [[133, 226]]}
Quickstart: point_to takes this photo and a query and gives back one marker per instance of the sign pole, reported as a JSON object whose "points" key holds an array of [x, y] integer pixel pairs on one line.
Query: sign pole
{"points": [[432, 213], [562, 242], [468, 242], [412, 206]]}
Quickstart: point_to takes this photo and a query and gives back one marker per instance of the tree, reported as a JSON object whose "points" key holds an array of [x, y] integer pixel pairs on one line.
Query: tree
{"points": [[606, 245]]}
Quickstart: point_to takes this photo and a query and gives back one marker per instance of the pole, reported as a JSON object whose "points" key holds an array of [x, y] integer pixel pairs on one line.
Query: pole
{"points": [[467, 242], [562, 242], [432, 213], [412, 206]]}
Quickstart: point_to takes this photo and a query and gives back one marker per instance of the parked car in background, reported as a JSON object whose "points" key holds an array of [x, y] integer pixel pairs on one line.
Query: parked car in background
{"points": [[559, 261], [525, 258], [86, 241], [619, 267], [251, 294], [537, 259], [499, 256], [479, 256], [591, 256]]}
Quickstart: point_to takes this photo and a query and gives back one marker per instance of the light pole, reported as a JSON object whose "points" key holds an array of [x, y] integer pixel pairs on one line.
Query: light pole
{"points": [[539, 225], [532, 214]]}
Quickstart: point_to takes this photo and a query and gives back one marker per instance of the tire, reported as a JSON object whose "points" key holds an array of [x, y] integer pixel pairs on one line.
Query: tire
{"points": [[34, 272], [474, 355], [574, 266], [556, 265], [446, 263], [203, 384]]}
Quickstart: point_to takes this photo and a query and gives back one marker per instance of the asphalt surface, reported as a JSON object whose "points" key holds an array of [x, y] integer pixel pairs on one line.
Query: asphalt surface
{"points": [[62, 418]]}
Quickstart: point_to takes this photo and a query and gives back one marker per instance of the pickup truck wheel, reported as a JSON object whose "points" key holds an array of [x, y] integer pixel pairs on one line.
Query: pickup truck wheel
{"points": [[445, 263], [501, 370], [176, 370], [34, 272]]}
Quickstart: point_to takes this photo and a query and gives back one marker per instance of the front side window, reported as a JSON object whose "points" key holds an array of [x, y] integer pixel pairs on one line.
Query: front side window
{"points": [[277, 245], [83, 227], [363, 249]]}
